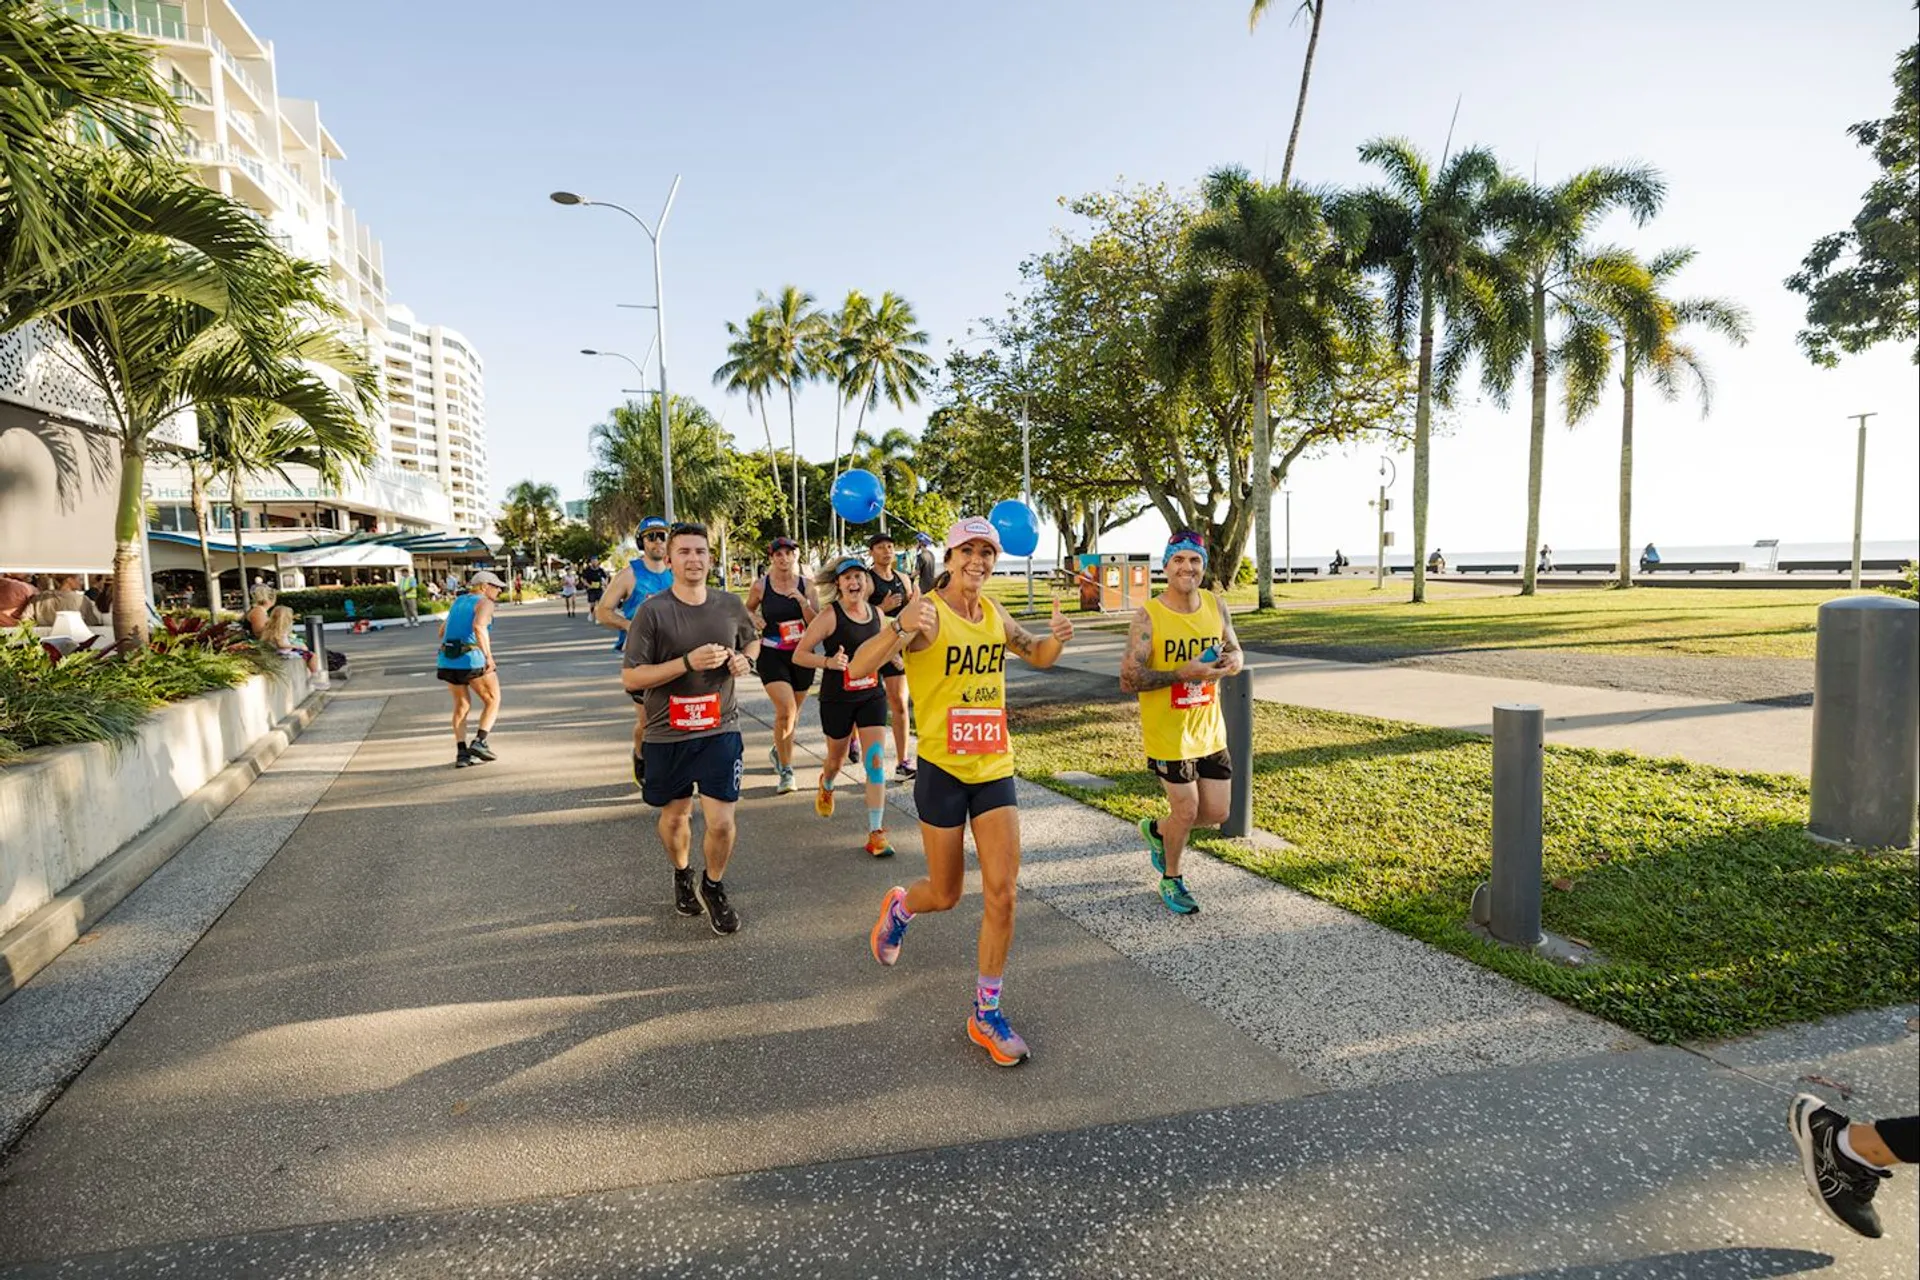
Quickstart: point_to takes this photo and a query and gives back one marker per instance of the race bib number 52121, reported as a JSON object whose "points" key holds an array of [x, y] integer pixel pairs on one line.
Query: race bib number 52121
{"points": [[976, 731]]}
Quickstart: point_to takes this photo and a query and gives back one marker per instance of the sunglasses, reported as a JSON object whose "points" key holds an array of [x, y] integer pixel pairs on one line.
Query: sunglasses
{"points": [[654, 535], [1187, 535]]}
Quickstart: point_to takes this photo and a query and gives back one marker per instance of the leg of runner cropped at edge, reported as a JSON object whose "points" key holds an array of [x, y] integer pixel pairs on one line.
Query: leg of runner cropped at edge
{"points": [[955, 642], [685, 649], [853, 710], [1180, 645], [466, 664], [781, 603], [646, 575], [892, 592], [1845, 1161]]}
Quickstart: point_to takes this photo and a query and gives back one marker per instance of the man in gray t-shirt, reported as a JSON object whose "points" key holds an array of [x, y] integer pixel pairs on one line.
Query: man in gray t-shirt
{"points": [[685, 647]]}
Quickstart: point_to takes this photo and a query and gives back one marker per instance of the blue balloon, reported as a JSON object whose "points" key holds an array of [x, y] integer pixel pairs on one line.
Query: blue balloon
{"points": [[1018, 527], [857, 496]]}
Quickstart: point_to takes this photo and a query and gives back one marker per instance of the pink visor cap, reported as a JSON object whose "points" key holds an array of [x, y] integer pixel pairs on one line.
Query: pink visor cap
{"points": [[969, 529]]}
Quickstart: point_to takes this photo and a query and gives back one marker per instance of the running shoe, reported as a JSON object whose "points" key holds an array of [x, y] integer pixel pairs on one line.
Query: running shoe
{"points": [[905, 770], [685, 900], [877, 844], [785, 785], [1843, 1186], [823, 798], [720, 913], [1173, 892], [889, 929], [639, 770], [988, 1029], [481, 751], [1156, 847], [463, 758]]}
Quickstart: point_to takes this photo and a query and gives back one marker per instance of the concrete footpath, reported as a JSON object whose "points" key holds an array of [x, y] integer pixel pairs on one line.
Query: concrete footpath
{"points": [[452, 1027], [1734, 735]]}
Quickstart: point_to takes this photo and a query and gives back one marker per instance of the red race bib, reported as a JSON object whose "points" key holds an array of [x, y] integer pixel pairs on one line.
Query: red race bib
{"points": [[1188, 694], [976, 731], [864, 682], [790, 633], [702, 711]]}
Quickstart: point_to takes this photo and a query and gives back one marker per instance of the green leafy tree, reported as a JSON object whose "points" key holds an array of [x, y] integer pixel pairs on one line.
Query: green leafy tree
{"points": [[623, 485], [1425, 235], [889, 455], [748, 370], [533, 514], [579, 544], [833, 363], [1862, 285], [791, 335], [883, 357], [1544, 249]]}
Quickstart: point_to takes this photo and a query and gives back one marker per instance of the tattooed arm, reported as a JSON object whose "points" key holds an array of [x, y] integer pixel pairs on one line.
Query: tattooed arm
{"points": [[1136, 672], [1040, 651]]}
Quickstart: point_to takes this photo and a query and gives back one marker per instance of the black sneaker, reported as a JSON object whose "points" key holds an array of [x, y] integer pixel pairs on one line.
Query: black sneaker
{"points": [[463, 758], [1843, 1186], [639, 770], [685, 900], [720, 913], [481, 751]]}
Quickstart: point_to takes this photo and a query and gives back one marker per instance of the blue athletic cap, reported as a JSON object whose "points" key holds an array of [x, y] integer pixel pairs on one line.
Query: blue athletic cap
{"points": [[848, 562], [1184, 540], [651, 523]]}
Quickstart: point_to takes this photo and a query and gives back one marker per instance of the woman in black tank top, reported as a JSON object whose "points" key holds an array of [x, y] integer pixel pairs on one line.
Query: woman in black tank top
{"points": [[892, 592], [849, 710], [781, 601]]}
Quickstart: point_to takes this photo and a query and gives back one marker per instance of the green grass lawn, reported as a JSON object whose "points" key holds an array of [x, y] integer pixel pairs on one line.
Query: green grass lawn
{"points": [[1012, 592], [1701, 621], [1715, 914]]}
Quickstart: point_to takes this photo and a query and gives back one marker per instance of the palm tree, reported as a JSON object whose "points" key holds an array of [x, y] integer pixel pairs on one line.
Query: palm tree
{"points": [[60, 81], [1277, 286], [884, 357], [748, 369], [834, 366], [791, 334], [1315, 10], [1424, 233], [227, 320], [624, 483], [1544, 231], [1646, 324], [889, 456], [536, 504]]}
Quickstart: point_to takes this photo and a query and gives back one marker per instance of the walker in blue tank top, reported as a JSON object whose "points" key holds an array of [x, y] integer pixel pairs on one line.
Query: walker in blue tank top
{"points": [[460, 632]]}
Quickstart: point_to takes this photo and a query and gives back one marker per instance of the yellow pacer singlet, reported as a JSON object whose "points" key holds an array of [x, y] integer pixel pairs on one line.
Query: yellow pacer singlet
{"points": [[959, 686], [1182, 721]]}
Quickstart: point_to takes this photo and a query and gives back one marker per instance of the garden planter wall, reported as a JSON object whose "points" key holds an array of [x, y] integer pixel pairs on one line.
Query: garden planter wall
{"points": [[64, 811]]}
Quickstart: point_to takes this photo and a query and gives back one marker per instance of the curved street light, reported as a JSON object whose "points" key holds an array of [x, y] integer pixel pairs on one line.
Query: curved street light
{"points": [[660, 321]]}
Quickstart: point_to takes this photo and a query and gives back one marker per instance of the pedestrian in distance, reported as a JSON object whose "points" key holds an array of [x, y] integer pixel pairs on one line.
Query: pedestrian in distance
{"points": [[1845, 1161], [926, 564], [687, 647], [466, 665], [851, 709], [594, 579], [646, 575], [1180, 645], [955, 641], [569, 588], [408, 585], [892, 592], [781, 603]]}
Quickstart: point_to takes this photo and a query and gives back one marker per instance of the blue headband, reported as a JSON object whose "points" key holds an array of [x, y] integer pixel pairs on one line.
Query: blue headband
{"points": [[1185, 544]]}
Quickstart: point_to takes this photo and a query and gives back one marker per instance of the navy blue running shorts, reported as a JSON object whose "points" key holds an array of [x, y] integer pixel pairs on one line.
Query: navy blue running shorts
{"points": [[676, 768], [945, 801]]}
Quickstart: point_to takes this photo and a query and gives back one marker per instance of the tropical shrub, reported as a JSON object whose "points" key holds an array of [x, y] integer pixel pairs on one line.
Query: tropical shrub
{"points": [[381, 601]]}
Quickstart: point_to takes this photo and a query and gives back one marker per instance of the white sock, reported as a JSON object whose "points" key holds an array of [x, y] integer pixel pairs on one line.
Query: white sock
{"points": [[1845, 1144]]}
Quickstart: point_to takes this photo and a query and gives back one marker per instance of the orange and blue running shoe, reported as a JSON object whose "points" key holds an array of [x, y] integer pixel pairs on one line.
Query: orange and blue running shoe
{"points": [[988, 1028], [878, 845], [890, 928]]}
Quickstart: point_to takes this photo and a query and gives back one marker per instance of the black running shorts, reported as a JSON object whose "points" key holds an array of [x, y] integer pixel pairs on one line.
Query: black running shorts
{"points": [[1217, 767], [839, 719], [675, 768], [459, 675], [945, 801], [778, 667]]}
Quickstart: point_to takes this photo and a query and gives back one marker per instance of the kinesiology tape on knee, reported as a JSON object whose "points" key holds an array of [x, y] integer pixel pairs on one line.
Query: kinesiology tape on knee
{"points": [[875, 757]]}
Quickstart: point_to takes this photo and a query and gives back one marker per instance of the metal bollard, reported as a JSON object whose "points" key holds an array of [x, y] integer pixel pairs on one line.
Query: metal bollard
{"points": [[1519, 737], [316, 627], [1236, 707], [1866, 723]]}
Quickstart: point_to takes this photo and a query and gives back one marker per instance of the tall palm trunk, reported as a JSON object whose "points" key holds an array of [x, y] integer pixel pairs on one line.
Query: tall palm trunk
{"points": [[1262, 470], [235, 497], [129, 584], [836, 530], [1626, 463], [1318, 8], [773, 462], [793, 442], [199, 483], [1537, 446], [1422, 423]]}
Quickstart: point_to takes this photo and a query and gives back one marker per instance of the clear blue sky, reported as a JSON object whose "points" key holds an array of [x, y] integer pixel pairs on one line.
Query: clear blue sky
{"points": [[923, 148]]}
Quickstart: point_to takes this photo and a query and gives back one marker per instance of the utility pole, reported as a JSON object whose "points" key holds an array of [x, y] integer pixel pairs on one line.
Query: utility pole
{"points": [[1380, 508], [1859, 491]]}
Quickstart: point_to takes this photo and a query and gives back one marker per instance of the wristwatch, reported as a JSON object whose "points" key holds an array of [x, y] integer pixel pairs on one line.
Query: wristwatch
{"points": [[897, 628], [686, 660]]}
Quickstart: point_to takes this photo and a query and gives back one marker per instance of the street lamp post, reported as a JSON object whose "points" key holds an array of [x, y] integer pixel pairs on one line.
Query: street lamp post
{"points": [[1380, 506], [1859, 491], [1288, 495], [660, 323]]}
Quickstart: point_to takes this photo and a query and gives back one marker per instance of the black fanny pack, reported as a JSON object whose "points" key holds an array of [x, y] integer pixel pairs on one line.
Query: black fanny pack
{"points": [[456, 649]]}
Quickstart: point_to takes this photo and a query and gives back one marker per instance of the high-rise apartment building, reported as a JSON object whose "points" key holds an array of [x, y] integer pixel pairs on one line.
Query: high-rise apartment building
{"points": [[436, 410]]}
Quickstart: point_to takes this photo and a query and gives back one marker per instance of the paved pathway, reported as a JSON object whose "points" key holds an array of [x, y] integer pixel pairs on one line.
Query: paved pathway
{"points": [[452, 1027], [1736, 735]]}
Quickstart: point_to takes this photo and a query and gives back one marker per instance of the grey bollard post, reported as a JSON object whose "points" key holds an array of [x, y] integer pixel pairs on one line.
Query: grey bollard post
{"points": [[316, 627], [1866, 722], [1236, 707], [1519, 736]]}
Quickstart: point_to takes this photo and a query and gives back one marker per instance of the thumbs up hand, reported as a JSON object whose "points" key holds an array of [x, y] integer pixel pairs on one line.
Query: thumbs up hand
{"points": [[838, 662], [1059, 624]]}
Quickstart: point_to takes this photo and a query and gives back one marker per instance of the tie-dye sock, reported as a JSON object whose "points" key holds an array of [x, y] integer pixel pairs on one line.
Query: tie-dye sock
{"points": [[986, 993]]}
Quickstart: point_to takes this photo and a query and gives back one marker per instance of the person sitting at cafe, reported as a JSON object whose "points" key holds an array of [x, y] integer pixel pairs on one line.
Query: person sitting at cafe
{"points": [[62, 596]]}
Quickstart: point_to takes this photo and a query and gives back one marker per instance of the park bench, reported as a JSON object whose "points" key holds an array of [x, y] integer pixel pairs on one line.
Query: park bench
{"points": [[1280, 571], [1842, 566], [1696, 566], [1486, 568], [1593, 567]]}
